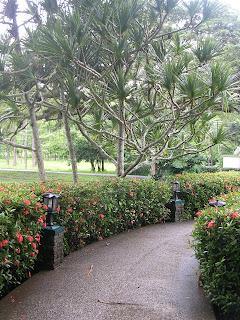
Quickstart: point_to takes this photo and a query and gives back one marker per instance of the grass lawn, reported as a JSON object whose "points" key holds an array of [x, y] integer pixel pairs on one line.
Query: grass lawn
{"points": [[55, 166], [14, 176]]}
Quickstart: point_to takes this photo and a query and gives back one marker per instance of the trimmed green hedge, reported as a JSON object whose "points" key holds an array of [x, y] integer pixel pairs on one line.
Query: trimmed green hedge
{"points": [[91, 211], [217, 246], [88, 212], [198, 188]]}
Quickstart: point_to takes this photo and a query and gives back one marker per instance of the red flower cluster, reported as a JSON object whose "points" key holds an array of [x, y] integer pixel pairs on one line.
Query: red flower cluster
{"points": [[42, 221], [27, 202], [38, 205], [33, 244], [30, 238], [26, 211], [7, 202], [4, 243], [198, 213], [37, 237], [101, 216], [234, 215], [19, 237], [45, 207], [211, 224]]}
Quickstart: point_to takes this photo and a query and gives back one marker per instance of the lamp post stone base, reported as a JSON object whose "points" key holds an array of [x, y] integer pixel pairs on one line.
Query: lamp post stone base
{"points": [[51, 249], [176, 207]]}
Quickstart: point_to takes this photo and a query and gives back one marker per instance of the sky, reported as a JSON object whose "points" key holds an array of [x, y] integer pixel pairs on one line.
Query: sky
{"points": [[235, 4]]}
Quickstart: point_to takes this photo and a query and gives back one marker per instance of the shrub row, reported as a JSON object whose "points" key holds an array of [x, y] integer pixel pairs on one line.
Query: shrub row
{"points": [[217, 246], [198, 188], [90, 211]]}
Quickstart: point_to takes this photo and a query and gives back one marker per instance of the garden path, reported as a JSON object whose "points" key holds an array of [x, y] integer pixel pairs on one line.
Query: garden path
{"points": [[145, 274]]}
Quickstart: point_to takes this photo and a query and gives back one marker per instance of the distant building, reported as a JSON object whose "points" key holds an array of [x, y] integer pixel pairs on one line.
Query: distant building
{"points": [[232, 161]]}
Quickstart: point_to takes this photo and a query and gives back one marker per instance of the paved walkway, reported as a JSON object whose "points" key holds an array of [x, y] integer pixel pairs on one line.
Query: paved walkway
{"points": [[146, 274]]}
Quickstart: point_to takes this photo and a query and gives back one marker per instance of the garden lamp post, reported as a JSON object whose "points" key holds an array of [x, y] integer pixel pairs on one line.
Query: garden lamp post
{"points": [[51, 248], [176, 189], [51, 201], [175, 205]]}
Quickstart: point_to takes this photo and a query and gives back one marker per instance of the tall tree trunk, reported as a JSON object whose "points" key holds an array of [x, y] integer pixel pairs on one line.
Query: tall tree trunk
{"points": [[37, 143], [34, 161], [92, 165], [14, 154], [71, 149], [25, 151], [121, 142], [98, 165], [8, 155], [154, 168]]}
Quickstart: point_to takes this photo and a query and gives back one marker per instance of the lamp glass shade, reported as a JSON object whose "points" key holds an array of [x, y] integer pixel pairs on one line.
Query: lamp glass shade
{"points": [[54, 203], [51, 200], [176, 186]]}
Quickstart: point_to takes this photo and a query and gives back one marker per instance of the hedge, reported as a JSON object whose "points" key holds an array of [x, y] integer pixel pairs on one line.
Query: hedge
{"points": [[217, 246], [198, 188], [90, 211]]}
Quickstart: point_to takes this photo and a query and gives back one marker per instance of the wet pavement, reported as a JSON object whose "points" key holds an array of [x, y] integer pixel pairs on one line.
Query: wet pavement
{"points": [[146, 274]]}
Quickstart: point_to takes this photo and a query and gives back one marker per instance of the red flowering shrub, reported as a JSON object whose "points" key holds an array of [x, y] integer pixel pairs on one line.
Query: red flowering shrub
{"points": [[19, 235], [199, 188], [217, 246], [90, 211], [94, 211]]}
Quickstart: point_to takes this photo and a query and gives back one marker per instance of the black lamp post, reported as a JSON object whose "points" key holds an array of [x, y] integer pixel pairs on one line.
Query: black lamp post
{"points": [[175, 205], [51, 248], [176, 189], [51, 201]]}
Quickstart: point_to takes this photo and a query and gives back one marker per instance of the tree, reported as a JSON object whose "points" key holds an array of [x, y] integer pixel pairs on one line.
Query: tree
{"points": [[135, 77], [22, 80], [136, 74], [85, 151]]}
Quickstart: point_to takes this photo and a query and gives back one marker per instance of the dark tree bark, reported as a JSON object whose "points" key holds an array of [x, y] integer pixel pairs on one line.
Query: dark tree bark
{"points": [[37, 142], [121, 142], [71, 149]]}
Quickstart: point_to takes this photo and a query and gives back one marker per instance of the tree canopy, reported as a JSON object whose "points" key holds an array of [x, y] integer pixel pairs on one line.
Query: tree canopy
{"points": [[142, 76]]}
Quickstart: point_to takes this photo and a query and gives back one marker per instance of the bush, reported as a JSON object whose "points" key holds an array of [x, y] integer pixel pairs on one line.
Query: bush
{"points": [[21, 218], [198, 188], [91, 211], [217, 246], [88, 212]]}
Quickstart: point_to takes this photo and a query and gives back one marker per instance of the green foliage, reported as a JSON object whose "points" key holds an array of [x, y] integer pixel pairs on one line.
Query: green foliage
{"points": [[221, 77], [216, 243], [197, 189], [87, 152], [191, 163], [191, 86], [21, 220], [90, 211], [207, 49]]}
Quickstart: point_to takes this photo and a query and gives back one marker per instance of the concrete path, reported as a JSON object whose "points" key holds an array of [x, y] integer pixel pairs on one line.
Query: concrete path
{"points": [[146, 274]]}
